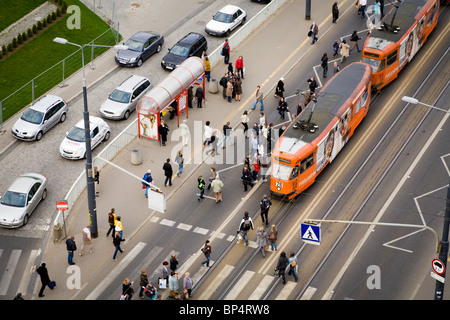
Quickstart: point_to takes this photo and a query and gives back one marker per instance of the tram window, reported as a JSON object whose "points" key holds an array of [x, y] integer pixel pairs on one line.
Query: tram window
{"points": [[307, 163], [391, 58], [294, 172], [382, 65]]}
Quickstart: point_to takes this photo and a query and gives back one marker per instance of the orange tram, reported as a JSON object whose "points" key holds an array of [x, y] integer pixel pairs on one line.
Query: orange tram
{"points": [[402, 32], [317, 135]]}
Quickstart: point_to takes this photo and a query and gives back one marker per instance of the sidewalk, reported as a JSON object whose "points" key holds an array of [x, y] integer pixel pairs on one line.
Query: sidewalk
{"points": [[115, 185]]}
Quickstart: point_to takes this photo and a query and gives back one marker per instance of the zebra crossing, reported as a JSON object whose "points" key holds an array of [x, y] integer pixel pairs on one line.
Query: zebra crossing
{"points": [[16, 271]]}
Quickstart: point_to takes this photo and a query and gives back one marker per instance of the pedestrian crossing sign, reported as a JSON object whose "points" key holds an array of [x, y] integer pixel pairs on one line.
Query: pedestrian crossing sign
{"points": [[310, 233]]}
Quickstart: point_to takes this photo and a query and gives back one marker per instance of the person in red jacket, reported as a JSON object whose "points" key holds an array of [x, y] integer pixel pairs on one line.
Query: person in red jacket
{"points": [[239, 65]]}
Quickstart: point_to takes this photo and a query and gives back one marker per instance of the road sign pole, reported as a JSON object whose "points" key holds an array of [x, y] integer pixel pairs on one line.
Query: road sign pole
{"points": [[443, 254]]}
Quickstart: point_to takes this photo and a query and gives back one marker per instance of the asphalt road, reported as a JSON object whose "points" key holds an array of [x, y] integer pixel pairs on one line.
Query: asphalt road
{"points": [[43, 156]]}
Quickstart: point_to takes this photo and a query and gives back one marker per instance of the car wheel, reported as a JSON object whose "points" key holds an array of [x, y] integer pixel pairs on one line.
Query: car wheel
{"points": [[106, 138], [159, 48], [25, 220], [243, 20], [126, 115], [228, 33], [139, 63], [39, 135], [63, 118], [44, 194]]}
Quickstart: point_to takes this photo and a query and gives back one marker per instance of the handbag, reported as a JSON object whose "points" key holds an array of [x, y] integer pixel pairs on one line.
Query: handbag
{"points": [[309, 33], [275, 272], [162, 283], [51, 284]]}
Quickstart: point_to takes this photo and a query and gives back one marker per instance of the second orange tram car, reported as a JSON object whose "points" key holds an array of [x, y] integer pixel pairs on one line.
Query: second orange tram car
{"points": [[319, 133]]}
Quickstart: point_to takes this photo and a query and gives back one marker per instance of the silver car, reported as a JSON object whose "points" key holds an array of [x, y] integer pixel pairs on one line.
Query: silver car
{"points": [[40, 117], [124, 98], [21, 198]]}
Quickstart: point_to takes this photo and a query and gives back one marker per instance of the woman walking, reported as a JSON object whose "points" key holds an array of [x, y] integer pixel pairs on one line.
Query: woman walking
{"points": [[282, 265], [117, 240], [293, 266], [127, 290], [273, 237], [245, 120], [180, 160], [261, 240]]}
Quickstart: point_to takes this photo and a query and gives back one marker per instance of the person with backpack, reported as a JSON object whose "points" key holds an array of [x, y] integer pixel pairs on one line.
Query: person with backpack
{"points": [[245, 225], [226, 52], [293, 266], [201, 186], [273, 237], [147, 177], [265, 205]]}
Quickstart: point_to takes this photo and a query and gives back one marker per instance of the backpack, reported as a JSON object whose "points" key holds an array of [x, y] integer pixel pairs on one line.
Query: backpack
{"points": [[247, 224], [265, 204], [201, 184]]}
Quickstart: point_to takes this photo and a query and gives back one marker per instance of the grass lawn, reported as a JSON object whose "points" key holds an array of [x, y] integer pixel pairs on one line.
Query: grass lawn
{"points": [[41, 53], [13, 11]]}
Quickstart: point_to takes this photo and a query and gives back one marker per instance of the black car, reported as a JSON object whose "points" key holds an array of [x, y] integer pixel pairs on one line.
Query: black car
{"points": [[140, 47], [262, 1], [192, 44]]}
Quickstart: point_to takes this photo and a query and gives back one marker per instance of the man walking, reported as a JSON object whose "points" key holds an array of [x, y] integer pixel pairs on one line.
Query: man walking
{"points": [[265, 205], [217, 186], [246, 225], [207, 252], [168, 172], [259, 98], [226, 51], [45, 279], [226, 134], [314, 31], [86, 240]]}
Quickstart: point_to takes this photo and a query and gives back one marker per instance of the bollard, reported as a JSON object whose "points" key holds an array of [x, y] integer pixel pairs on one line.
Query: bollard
{"points": [[213, 86]]}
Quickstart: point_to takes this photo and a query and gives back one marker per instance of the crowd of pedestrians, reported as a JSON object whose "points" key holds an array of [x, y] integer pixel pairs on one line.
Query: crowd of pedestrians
{"points": [[260, 135]]}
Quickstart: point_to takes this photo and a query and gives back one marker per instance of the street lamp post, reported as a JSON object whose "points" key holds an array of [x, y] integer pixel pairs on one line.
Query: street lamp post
{"points": [[89, 170], [443, 253]]}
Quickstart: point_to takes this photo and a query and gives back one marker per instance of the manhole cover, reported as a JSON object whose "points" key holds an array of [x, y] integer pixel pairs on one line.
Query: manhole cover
{"points": [[201, 23]]}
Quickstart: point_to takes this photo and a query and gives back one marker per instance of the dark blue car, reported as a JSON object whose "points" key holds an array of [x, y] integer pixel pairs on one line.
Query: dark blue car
{"points": [[140, 47]]}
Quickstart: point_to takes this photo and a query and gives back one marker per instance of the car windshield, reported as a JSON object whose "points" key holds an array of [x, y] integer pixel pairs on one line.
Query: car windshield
{"points": [[76, 134], [14, 199], [179, 51], [223, 17], [134, 45], [120, 96], [281, 171], [32, 116]]}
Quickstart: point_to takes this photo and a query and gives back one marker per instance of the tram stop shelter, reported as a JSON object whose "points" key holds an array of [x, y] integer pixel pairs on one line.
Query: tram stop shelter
{"points": [[172, 92]]}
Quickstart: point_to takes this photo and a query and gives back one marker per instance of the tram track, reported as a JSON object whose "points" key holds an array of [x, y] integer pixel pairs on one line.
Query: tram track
{"points": [[403, 127], [360, 201]]}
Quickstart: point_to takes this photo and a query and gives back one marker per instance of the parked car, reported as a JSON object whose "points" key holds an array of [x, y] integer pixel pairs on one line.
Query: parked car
{"points": [[123, 100], [22, 197], [192, 44], [140, 47], [74, 146], [40, 117], [226, 20]]}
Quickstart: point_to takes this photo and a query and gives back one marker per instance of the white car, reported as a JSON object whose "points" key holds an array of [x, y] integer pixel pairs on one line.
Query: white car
{"points": [[74, 146], [226, 20]]}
